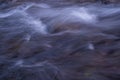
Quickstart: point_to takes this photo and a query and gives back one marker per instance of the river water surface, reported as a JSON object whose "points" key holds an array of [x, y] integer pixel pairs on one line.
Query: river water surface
{"points": [[41, 41]]}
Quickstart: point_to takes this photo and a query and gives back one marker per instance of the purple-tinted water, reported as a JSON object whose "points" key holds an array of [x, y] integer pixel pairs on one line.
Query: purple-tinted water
{"points": [[41, 41]]}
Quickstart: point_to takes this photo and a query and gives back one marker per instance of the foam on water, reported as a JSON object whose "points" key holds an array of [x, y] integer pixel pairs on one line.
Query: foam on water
{"points": [[36, 24], [91, 46], [59, 15], [84, 15], [23, 8]]}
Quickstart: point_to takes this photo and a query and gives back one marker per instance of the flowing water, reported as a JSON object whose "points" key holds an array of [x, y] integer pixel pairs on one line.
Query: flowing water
{"points": [[41, 41]]}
